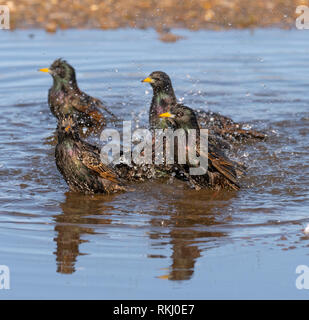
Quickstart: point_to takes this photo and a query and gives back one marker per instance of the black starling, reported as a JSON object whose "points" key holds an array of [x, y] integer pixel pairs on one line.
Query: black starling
{"points": [[80, 164], [221, 172], [65, 98], [164, 98]]}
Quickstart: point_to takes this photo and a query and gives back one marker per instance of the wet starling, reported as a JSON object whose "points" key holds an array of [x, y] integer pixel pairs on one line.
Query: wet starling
{"points": [[221, 172], [164, 98], [80, 164], [65, 98]]}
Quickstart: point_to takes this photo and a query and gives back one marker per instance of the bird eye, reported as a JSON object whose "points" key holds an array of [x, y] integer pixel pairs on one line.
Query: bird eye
{"points": [[179, 114]]}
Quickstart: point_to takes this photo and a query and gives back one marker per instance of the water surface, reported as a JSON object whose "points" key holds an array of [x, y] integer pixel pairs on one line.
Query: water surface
{"points": [[160, 241]]}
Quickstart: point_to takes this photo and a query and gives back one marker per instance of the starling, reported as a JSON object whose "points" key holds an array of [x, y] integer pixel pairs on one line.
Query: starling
{"points": [[65, 97], [80, 164], [222, 172], [164, 98]]}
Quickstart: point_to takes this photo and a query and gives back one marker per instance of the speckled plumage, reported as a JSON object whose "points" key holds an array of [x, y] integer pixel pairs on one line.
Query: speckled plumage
{"points": [[80, 164], [66, 99], [218, 125], [222, 172]]}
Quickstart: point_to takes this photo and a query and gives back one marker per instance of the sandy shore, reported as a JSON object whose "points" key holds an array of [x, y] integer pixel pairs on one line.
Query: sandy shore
{"points": [[159, 14]]}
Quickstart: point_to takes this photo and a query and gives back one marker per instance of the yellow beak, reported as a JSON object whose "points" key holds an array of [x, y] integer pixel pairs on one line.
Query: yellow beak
{"points": [[44, 70], [67, 128], [148, 79], [166, 115]]}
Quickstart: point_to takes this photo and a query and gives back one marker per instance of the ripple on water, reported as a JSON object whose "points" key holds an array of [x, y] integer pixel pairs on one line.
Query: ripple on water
{"points": [[154, 227]]}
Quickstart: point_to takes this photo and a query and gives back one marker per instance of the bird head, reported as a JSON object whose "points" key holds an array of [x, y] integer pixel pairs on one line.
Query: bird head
{"points": [[60, 70], [180, 116], [159, 81]]}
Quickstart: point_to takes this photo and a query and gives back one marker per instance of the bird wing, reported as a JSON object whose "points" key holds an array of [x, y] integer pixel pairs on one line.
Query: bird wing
{"points": [[88, 105], [98, 104], [223, 125], [224, 166], [91, 159], [245, 133], [213, 119], [218, 161]]}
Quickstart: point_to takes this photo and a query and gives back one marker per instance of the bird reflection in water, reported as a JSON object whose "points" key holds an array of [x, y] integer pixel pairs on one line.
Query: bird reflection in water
{"points": [[191, 229], [73, 223]]}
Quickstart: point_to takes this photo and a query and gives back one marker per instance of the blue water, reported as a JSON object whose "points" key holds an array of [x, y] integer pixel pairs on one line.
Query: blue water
{"points": [[157, 241]]}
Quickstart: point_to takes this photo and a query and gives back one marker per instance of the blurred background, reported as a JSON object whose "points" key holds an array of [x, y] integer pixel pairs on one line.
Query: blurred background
{"points": [[159, 14]]}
